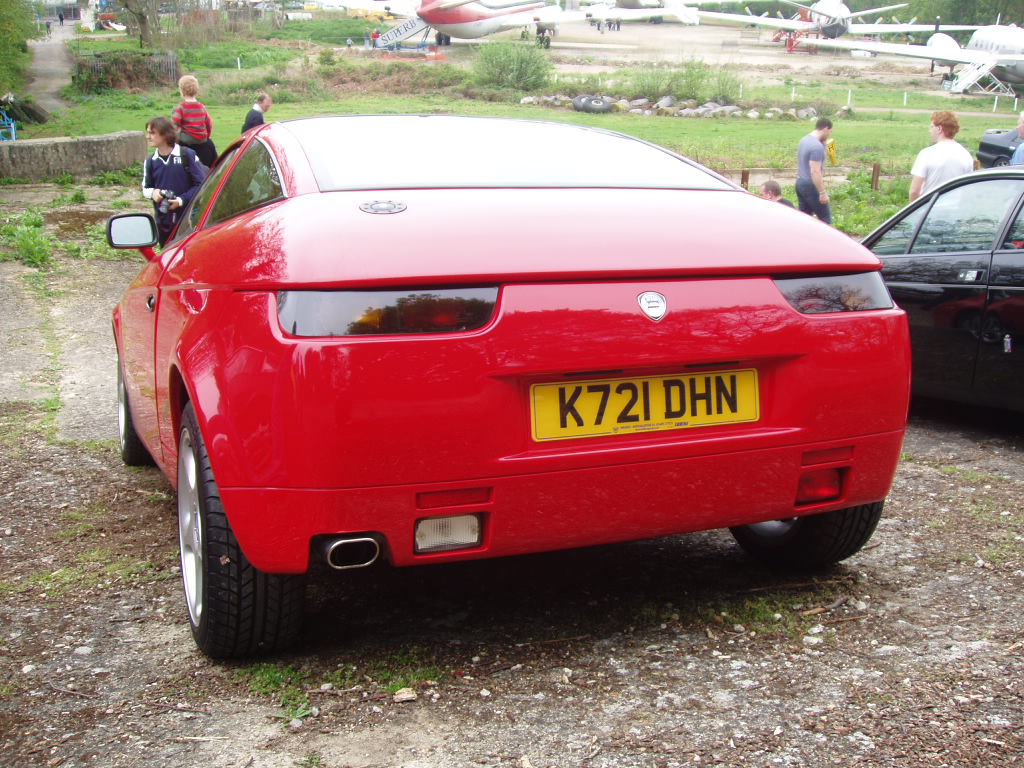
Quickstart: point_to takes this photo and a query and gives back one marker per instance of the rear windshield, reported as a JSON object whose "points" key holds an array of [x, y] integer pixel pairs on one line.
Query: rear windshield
{"points": [[439, 151]]}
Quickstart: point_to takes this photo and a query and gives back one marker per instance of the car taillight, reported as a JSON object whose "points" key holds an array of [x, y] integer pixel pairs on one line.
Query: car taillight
{"points": [[362, 313], [836, 293]]}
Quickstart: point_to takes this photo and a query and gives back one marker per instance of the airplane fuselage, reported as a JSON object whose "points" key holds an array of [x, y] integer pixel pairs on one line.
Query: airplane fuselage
{"points": [[471, 20], [1000, 40]]}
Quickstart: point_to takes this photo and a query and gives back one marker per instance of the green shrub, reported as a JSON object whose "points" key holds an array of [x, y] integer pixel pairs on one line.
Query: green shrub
{"points": [[513, 65]]}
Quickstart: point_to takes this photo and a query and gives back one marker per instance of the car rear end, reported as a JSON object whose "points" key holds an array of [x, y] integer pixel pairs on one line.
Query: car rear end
{"points": [[496, 372]]}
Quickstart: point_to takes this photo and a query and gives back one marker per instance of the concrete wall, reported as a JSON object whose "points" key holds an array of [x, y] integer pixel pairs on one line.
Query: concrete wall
{"points": [[39, 159]]}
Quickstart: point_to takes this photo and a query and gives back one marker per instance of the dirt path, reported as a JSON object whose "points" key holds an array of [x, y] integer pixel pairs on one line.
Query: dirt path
{"points": [[51, 66]]}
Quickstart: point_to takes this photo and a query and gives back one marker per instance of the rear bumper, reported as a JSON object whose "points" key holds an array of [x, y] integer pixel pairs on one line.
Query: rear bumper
{"points": [[564, 509]]}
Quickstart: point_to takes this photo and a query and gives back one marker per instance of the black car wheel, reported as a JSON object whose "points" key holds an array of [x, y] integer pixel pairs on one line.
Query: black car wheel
{"points": [[814, 541], [1000, 161], [234, 609], [133, 451]]}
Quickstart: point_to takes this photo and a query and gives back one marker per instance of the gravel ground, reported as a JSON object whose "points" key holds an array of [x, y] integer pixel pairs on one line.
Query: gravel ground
{"points": [[672, 652]]}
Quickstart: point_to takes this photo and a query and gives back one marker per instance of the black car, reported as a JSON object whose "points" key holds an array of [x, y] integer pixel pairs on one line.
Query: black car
{"points": [[954, 260], [997, 146]]}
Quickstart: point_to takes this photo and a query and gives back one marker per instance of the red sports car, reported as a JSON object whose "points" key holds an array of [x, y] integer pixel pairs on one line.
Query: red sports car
{"points": [[494, 337]]}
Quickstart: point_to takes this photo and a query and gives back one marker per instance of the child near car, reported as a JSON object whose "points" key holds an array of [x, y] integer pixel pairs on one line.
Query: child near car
{"points": [[193, 121], [171, 176]]}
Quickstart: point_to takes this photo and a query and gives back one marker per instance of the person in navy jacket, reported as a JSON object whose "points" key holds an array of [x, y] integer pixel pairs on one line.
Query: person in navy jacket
{"points": [[171, 176]]}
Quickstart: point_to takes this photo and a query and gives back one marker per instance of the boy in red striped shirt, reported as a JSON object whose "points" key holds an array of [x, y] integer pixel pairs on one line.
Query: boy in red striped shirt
{"points": [[193, 121]]}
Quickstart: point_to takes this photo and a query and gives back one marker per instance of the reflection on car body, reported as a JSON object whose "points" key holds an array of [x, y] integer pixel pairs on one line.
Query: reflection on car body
{"points": [[501, 348], [955, 262]]}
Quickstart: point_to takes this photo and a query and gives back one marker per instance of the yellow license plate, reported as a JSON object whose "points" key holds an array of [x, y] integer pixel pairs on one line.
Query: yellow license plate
{"points": [[562, 410]]}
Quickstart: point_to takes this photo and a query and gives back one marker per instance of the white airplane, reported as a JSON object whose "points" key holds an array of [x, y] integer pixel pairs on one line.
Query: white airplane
{"points": [[995, 48], [826, 18], [472, 19]]}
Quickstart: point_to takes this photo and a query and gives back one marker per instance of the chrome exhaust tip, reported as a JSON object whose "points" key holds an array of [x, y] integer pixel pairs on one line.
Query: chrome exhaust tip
{"points": [[358, 552]]}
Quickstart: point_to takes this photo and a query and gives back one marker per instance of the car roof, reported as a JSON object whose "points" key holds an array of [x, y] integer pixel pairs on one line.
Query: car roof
{"points": [[447, 151]]}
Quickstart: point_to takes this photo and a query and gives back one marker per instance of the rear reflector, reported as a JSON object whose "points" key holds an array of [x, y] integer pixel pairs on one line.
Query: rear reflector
{"points": [[443, 534], [819, 485]]}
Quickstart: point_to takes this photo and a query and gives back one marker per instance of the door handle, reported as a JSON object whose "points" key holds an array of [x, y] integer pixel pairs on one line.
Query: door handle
{"points": [[151, 302], [970, 275]]}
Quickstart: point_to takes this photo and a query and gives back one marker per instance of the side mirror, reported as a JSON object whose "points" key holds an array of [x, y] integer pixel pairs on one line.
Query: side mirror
{"points": [[131, 230]]}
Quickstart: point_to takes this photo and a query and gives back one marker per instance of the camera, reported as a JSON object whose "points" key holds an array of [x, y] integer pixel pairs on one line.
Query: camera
{"points": [[165, 204]]}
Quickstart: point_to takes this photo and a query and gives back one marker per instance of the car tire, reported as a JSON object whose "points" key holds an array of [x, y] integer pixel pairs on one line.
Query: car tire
{"points": [[597, 106], [133, 451], [810, 542], [234, 609], [1000, 161], [579, 103]]}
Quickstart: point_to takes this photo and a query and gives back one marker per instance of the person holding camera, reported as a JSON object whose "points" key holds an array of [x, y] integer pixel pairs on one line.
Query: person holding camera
{"points": [[171, 176]]}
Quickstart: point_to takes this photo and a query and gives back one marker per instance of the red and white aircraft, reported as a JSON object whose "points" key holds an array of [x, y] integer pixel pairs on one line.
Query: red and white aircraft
{"points": [[828, 19], [472, 19]]}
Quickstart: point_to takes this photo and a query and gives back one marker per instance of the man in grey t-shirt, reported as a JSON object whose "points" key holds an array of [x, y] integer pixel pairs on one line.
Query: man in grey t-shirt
{"points": [[810, 179]]}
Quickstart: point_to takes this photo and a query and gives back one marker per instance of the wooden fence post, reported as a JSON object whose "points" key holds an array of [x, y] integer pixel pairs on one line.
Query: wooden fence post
{"points": [[876, 171]]}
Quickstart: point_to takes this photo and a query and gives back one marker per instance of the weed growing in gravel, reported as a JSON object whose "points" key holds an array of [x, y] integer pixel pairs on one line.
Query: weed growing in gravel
{"points": [[96, 246], [286, 684], [75, 198], [404, 669], [27, 241]]}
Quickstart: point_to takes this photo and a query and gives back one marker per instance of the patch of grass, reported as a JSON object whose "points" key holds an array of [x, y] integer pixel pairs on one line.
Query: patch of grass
{"points": [[285, 684], [126, 177], [404, 669], [75, 198], [96, 246], [857, 208], [328, 31], [228, 55]]}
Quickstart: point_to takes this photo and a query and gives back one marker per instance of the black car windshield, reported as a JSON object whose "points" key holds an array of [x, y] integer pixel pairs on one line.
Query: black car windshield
{"points": [[440, 151]]}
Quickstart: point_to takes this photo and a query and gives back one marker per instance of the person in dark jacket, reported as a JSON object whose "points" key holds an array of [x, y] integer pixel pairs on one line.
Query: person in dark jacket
{"points": [[259, 109], [171, 176]]}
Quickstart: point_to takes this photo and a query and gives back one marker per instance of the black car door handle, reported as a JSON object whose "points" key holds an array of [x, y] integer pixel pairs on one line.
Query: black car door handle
{"points": [[151, 302], [970, 276]]}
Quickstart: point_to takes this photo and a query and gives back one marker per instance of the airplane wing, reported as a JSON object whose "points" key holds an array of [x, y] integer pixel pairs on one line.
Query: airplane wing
{"points": [[406, 8], [888, 29], [672, 9], [945, 53], [792, 25]]}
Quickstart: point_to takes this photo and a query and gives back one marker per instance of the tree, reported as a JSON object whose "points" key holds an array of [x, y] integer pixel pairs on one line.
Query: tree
{"points": [[978, 12], [15, 30], [143, 16]]}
